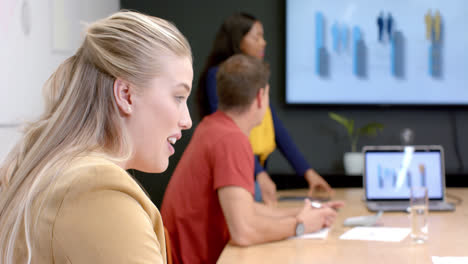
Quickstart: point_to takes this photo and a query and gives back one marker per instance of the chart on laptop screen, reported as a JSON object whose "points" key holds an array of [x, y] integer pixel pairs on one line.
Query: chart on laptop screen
{"points": [[390, 175]]}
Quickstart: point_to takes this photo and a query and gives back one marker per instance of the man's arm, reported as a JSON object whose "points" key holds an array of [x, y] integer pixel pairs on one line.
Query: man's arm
{"points": [[245, 225], [250, 223], [270, 211]]}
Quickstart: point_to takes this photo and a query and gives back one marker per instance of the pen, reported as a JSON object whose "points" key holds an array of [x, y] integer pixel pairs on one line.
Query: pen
{"points": [[318, 205]]}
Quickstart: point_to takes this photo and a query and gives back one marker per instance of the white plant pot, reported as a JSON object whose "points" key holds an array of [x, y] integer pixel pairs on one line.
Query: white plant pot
{"points": [[353, 163]]}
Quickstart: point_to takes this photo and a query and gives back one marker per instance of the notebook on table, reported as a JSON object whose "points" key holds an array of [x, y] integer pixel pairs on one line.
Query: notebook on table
{"points": [[390, 171]]}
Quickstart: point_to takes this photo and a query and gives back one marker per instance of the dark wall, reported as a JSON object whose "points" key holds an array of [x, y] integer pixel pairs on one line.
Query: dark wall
{"points": [[321, 140]]}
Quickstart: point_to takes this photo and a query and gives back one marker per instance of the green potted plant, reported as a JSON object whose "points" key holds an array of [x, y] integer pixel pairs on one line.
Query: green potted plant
{"points": [[353, 161]]}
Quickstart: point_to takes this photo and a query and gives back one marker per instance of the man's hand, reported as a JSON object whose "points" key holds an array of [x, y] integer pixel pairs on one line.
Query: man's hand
{"points": [[316, 219], [268, 188], [334, 204], [317, 183]]}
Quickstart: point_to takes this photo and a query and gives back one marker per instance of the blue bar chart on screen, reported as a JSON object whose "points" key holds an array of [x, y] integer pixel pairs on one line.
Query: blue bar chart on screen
{"points": [[321, 59], [366, 52]]}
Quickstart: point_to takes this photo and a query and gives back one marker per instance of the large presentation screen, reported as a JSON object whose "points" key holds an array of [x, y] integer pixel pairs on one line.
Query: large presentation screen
{"points": [[377, 52]]}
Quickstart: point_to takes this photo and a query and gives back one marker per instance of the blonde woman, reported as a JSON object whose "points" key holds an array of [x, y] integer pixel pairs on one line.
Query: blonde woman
{"points": [[118, 103]]}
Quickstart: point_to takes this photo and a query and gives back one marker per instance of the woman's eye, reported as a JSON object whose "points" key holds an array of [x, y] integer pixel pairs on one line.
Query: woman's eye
{"points": [[180, 98]]}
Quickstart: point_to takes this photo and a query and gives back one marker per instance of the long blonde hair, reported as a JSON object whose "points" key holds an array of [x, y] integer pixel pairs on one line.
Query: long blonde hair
{"points": [[81, 116]]}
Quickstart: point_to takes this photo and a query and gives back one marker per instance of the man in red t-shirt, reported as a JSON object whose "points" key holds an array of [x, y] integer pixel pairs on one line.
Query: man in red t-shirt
{"points": [[209, 199]]}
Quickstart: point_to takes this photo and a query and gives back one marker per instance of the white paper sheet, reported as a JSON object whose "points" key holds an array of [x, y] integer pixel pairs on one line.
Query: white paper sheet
{"points": [[449, 260], [321, 234], [385, 234]]}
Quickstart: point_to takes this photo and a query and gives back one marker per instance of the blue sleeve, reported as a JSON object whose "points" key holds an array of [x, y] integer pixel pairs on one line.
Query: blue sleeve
{"points": [[211, 94], [258, 167], [287, 147]]}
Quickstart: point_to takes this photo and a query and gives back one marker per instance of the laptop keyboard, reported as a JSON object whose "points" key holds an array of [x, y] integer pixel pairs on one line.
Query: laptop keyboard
{"points": [[403, 206], [393, 206]]}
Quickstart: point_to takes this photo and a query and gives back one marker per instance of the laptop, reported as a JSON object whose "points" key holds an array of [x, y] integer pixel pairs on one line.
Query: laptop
{"points": [[390, 172]]}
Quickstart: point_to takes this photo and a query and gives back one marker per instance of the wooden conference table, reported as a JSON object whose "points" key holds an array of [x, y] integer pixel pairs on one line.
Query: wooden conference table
{"points": [[448, 236]]}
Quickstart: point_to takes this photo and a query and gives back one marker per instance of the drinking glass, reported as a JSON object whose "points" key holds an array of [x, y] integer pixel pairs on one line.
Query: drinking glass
{"points": [[419, 208]]}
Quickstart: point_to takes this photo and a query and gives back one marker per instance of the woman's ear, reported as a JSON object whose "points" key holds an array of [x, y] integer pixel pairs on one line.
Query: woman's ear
{"points": [[123, 95]]}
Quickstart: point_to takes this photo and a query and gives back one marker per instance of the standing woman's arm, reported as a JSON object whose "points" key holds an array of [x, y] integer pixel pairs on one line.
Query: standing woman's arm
{"points": [[296, 159], [287, 147]]}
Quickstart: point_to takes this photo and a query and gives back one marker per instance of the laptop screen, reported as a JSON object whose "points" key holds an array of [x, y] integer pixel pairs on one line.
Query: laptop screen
{"points": [[389, 173]]}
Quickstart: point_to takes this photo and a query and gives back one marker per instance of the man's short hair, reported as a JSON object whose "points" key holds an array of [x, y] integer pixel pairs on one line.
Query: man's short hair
{"points": [[238, 81]]}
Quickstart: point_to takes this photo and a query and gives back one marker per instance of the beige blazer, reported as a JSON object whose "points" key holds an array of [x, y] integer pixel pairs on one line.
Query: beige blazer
{"points": [[95, 213]]}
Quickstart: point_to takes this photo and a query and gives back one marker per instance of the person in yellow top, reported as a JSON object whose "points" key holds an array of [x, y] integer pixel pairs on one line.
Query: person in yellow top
{"points": [[120, 102], [242, 33]]}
